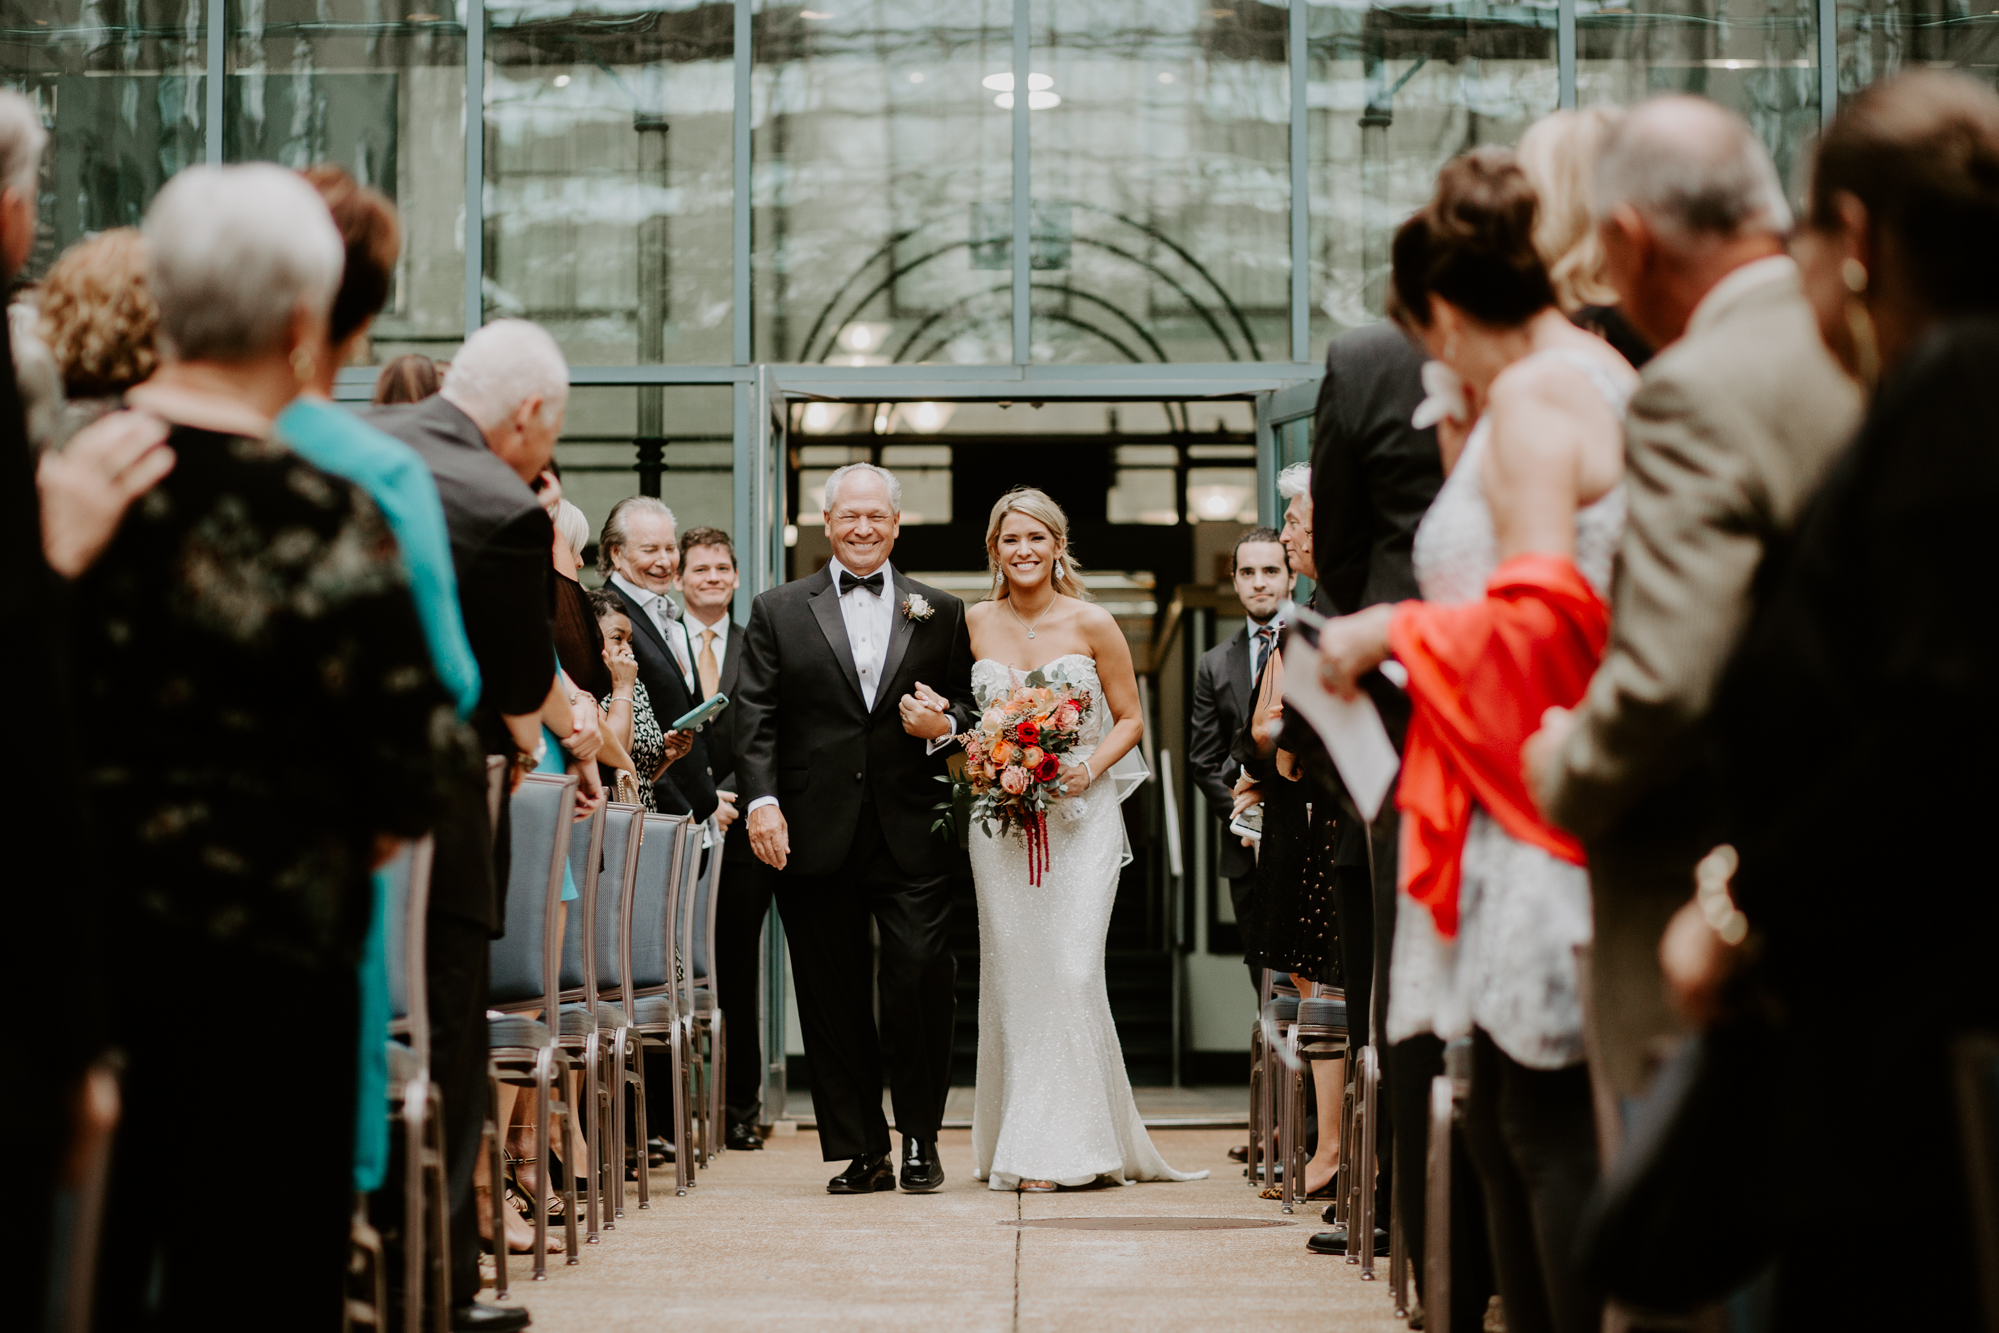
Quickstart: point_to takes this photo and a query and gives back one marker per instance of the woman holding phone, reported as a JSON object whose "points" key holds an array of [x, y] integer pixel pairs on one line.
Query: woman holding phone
{"points": [[628, 715]]}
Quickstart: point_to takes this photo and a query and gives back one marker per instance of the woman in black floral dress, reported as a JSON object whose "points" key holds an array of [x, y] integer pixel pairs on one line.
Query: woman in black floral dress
{"points": [[651, 749], [262, 723]]}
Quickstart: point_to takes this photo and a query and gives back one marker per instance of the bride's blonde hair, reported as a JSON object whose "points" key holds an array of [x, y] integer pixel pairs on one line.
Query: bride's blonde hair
{"points": [[1038, 506]]}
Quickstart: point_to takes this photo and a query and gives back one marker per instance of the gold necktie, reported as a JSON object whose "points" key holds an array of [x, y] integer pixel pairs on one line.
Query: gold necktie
{"points": [[710, 673]]}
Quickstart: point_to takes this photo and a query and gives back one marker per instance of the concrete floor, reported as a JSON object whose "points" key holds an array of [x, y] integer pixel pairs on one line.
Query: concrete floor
{"points": [[760, 1244]]}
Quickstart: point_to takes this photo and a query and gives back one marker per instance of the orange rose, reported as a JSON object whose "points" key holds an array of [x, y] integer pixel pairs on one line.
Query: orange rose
{"points": [[1002, 752]]}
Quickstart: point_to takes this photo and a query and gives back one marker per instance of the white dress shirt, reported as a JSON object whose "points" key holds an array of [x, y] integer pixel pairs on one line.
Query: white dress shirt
{"points": [[665, 615]]}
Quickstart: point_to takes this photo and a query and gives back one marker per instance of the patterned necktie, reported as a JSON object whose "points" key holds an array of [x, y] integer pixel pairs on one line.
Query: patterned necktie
{"points": [[711, 674], [1263, 638]]}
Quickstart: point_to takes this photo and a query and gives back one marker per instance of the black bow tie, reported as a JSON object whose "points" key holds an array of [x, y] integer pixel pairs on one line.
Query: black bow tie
{"points": [[873, 583]]}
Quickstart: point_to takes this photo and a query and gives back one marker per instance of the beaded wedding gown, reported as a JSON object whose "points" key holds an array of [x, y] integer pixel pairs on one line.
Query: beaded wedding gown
{"points": [[1053, 1101]]}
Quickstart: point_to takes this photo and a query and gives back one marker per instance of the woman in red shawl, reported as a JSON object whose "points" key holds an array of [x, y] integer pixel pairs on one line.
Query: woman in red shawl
{"points": [[1514, 561]]}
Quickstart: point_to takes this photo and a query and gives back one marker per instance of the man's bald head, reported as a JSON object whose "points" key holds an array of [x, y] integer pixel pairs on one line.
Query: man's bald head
{"points": [[1693, 170]]}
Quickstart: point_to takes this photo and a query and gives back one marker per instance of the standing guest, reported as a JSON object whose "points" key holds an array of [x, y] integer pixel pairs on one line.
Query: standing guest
{"points": [[1513, 560], [708, 580], [1224, 694], [639, 550], [409, 378], [1293, 926], [1559, 154], [483, 438], [1816, 708], [1728, 435], [99, 320], [262, 721]]}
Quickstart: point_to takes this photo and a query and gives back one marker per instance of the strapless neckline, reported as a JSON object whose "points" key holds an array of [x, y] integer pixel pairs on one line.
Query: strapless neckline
{"points": [[994, 661]]}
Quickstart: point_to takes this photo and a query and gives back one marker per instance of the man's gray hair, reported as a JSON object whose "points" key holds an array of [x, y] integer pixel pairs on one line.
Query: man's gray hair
{"points": [[1295, 481], [1691, 169], [502, 366], [22, 139], [234, 252], [840, 474], [618, 527]]}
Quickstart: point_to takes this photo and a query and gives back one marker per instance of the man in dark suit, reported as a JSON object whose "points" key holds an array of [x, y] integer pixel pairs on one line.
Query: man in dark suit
{"points": [[1224, 695], [708, 580], [484, 437], [639, 551], [838, 760]]}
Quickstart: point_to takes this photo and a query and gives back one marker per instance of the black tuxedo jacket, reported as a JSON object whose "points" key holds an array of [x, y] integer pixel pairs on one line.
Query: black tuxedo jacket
{"points": [[688, 785], [1224, 694], [500, 542], [722, 739], [809, 740]]}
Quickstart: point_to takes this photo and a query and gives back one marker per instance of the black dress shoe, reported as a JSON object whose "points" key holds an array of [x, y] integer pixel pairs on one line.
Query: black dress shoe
{"points": [[743, 1137], [866, 1175], [1335, 1242], [1239, 1153], [921, 1171], [482, 1318]]}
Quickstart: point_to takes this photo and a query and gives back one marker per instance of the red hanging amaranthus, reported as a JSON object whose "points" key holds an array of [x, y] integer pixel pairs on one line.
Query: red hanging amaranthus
{"points": [[1035, 826]]}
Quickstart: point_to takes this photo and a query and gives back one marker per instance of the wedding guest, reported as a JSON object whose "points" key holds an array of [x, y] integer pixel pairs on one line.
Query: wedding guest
{"points": [[1727, 437], [293, 727], [38, 382], [628, 715], [1889, 722], [708, 580], [409, 378], [100, 322], [1224, 692], [1514, 560], [579, 643], [639, 551], [1559, 154]]}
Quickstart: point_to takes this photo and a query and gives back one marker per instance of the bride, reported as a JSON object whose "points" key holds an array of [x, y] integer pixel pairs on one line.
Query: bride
{"points": [[1053, 1104]]}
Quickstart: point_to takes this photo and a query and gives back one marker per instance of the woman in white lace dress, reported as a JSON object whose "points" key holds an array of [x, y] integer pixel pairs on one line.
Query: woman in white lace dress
{"points": [[1535, 467], [1053, 1106]]}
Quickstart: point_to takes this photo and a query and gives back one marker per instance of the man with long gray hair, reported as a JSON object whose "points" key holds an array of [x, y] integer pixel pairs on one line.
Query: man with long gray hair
{"points": [[1728, 435]]}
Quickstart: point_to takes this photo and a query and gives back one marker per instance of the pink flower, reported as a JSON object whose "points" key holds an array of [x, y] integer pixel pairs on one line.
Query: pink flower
{"points": [[1068, 715], [1030, 758], [1014, 779]]}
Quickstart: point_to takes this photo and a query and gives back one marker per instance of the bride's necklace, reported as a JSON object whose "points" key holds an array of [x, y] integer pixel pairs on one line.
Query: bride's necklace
{"points": [[1037, 620]]}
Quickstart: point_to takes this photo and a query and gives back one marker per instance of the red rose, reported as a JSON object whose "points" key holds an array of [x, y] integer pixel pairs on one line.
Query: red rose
{"points": [[1029, 733], [1048, 768]]}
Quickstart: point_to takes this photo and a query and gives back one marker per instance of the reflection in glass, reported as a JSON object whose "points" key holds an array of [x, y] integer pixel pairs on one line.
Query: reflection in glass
{"points": [[122, 91], [1761, 62], [377, 86], [1161, 181], [605, 457], [925, 473], [609, 177], [1395, 92], [881, 229], [1878, 38]]}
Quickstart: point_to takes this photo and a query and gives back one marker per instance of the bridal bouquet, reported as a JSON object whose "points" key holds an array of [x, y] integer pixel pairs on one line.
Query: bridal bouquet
{"points": [[1013, 761]]}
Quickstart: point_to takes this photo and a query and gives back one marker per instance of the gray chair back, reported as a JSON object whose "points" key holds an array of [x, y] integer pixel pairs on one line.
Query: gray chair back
{"points": [[524, 964], [406, 883], [649, 928], [624, 832], [687, 894], [579, 942], [702, 950]]}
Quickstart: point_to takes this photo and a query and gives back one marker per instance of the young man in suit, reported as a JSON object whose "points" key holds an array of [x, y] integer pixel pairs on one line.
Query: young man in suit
{"points": [[708, 580], [838, 763], [1224, 694], [640, 551]]}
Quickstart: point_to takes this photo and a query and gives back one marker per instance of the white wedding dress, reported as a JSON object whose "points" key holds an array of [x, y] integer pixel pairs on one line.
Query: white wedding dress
{"points": [[1053, 1101]]}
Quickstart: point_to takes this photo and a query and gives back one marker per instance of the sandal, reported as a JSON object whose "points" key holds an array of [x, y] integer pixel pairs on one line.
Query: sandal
{"points": [[1037, 1187]]}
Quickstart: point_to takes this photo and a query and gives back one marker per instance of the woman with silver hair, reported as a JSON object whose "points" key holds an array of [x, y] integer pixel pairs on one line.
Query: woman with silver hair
{"points": [[262, 722]]}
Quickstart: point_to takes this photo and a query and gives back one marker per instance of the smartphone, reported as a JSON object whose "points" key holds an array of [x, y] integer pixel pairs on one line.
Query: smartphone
{"points": [[701, 712], [1248, 824]]}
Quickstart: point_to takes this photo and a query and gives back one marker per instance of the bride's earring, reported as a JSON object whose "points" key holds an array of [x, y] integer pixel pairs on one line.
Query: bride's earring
{"points": [[1860, 323], [1059, 571]]}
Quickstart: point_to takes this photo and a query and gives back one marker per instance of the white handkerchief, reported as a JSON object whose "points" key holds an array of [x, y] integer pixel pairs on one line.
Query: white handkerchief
{"points": [[1445, 397], [1351, 729]]}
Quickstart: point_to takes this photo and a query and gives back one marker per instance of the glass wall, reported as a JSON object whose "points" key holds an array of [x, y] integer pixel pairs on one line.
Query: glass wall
{"points": [[606, 456], [1880, 37], [882, 183]]}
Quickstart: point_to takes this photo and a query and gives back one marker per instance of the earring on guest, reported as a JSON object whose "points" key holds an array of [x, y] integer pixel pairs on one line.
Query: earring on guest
{"points": [[1860, 323]]}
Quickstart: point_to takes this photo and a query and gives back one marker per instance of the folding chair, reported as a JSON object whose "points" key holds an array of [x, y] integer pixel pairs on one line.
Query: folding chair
{"points": [[420, 1106], [649, 979]]}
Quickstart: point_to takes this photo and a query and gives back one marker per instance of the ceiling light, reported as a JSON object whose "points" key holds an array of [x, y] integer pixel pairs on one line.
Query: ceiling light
{"points": [[881, 421], [916, 76], [1035, 101], [819, 417], [562, 80], [1003, 83], [814, 14], [863, 336], [1166, 76], [927, 418], [790, 535]]}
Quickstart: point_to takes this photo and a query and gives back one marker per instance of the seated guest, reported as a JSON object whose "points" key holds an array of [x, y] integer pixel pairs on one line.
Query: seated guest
{"points": [[1224, 690], [640, 552], [409, 378], [1514, 561], [1857, 724], [262, 722], [99, 321]]}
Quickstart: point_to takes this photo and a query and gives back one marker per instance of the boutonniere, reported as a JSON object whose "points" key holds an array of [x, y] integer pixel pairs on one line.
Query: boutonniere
{"points": [[915, 608]]}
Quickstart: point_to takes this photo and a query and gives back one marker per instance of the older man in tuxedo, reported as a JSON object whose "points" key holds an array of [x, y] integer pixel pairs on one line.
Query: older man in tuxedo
{"points": [[639, 550]]}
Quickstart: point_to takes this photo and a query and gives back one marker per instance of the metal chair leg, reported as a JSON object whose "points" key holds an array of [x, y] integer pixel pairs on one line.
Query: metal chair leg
{"points": [[1437, 1221], [1398, 1264], [542, 1154], [439, 1212], [1367, 1087], [719, 1060], [496, 1197], [641, 1135], [593, 1138], [415, 1210]]}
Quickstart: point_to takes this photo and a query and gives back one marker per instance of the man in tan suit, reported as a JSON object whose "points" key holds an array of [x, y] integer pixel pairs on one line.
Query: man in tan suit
{"points": [[1731, 428]]}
